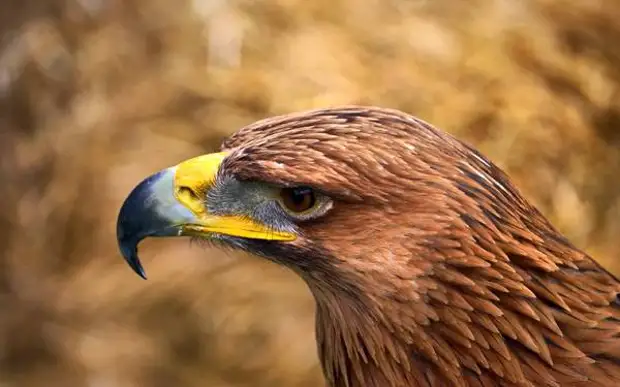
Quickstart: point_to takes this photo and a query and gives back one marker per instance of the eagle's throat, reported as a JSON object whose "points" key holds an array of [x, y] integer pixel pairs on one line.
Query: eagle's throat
{"points": [[361, 345]]}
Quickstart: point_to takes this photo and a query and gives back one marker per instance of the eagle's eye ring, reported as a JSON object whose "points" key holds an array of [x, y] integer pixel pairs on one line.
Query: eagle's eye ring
{"points": [[298, 200]]}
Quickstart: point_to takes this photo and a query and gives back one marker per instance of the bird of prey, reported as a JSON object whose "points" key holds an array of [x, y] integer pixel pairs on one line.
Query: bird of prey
{"points": [[428, 266]]}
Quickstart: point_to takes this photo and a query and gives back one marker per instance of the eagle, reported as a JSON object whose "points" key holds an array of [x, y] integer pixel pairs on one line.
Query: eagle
{"points": [[427, 265]]}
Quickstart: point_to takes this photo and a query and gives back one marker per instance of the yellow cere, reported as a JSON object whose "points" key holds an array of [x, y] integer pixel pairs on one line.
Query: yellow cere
{"points": [[192, 178]]}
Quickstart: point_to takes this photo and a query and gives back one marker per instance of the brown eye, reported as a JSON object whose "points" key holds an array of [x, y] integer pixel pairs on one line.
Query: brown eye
{"points": [[298, 199]]}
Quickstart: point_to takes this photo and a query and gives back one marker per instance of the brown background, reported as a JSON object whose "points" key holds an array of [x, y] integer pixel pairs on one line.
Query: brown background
{"points": [[96, 94]]}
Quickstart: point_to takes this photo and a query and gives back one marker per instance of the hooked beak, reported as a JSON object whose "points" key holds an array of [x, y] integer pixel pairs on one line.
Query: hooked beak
{"points": [[172, 202]]}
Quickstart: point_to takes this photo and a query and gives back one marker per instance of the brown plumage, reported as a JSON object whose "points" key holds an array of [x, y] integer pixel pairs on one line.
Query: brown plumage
{"points": [[431, 269]]}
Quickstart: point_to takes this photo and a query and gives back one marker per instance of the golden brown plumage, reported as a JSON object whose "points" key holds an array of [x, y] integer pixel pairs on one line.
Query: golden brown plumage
{"points": [[430, 269]]}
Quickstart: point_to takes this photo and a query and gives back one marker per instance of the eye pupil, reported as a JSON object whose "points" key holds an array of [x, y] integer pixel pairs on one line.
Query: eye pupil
{"points": [[298, 199]]}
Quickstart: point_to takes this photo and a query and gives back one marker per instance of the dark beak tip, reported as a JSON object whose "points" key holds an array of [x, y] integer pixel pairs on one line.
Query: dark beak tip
{"points": [[140, 271], [136, 266], [129, 251], [138, 220]]}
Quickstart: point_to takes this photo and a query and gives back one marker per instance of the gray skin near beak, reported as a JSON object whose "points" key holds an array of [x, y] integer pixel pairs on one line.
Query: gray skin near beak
{"points": [[150, 210]]}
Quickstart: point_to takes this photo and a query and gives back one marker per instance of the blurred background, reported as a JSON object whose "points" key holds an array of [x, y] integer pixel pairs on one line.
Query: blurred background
{"points": [[97, 94]]}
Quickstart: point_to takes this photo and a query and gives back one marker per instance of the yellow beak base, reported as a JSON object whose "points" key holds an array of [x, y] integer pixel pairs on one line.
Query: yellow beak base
{"points": [[192, 180], [172, 202]]}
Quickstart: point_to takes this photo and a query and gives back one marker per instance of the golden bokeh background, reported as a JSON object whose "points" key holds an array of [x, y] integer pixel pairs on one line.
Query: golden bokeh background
{"points": [[97, 94]]}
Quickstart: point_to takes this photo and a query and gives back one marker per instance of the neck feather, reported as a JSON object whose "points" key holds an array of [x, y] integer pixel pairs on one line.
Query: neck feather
{"points": [[360, 347], [548, 330]]}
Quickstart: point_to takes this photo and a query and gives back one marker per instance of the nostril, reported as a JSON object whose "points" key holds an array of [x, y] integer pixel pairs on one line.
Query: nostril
{"points": [[188, 193], [191, 197]]}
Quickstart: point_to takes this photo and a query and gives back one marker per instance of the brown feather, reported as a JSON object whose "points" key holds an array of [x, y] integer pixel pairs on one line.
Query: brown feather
{"points": [[431, 269]]}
